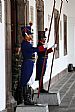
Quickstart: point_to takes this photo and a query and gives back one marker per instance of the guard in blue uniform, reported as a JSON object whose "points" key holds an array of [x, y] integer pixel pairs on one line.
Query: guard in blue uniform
{"points": [[28, 62], [40, 60]]}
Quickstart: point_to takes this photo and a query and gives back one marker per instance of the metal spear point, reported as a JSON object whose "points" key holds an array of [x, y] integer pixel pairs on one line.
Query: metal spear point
{"points": [[67, 1]]}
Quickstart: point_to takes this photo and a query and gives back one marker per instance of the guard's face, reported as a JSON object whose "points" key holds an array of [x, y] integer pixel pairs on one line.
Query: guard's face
{"points": [[43, 40], [29, 37]]}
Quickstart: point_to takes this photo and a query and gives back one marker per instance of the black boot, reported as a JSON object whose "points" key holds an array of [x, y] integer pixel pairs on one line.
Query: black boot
{"points": [[27, 96], [43, 91], [41, 87], [18, 95]]}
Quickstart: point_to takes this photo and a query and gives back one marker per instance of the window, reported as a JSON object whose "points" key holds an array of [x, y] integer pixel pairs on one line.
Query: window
{"points": [[56, 32], [65, 34]]}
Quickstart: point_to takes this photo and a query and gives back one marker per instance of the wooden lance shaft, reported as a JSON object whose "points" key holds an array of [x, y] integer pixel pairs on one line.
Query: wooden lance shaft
{"points": [[46, 51], [55, 43]]}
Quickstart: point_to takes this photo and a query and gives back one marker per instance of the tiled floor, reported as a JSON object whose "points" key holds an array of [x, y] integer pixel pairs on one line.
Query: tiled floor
{"points": [[68, 102]]}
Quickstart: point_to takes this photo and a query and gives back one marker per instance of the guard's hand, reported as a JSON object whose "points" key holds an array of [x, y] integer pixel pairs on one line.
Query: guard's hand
{"points": [[49, 50], [54, 46], [45, 45]]}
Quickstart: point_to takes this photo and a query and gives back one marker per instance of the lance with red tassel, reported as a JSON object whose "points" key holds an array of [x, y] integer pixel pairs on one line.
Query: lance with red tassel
{"points": [[46, 50], [55, 43]]}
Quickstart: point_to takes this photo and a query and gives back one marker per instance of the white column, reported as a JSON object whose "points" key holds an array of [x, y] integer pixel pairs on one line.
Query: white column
{"points": [[34, 25], [74, 47], [2, 61]]}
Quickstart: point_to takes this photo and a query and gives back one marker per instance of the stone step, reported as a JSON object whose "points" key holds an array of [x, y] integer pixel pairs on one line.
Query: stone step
{"points": [[32, 108], [49, 98]]}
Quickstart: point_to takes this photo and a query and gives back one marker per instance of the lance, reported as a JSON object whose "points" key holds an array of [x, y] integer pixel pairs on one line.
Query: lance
{"points": [[46, 50], [55, 43]]}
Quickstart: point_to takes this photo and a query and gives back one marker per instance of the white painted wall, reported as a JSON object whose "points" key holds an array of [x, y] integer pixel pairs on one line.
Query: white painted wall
{"points": [[33, 3], [2, 62], [71, 40], [62, 62], [71, 30], [74, 47]]}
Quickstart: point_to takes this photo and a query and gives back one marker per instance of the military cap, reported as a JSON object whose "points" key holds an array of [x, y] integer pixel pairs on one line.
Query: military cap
{"points": [[41, 34], [26, 30], [30, 23]]}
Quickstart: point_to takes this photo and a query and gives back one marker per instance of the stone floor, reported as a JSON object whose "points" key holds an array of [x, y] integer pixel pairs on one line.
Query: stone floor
{"points": [[61, 109], [68, 102]]}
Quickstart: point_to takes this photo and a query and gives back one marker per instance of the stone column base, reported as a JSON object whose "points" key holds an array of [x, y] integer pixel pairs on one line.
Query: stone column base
{"points": [[11, 104]]}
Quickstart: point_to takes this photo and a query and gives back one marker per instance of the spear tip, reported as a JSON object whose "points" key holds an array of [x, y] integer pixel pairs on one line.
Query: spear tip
{"points": [[67, 1]]}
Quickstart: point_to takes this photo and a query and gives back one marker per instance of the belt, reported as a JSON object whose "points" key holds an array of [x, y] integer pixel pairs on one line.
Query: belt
{"points": [[32, 59], [43, 57]]}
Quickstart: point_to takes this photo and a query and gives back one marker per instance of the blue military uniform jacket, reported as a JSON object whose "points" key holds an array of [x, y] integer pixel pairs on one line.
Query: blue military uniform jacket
{"points": [[28, 63]]}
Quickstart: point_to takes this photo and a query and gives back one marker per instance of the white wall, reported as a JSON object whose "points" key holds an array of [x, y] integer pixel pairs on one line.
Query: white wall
{"points": [[70, 40], [62, 62], [74, 47], [2, 62], [71, 31], [33, 3]]}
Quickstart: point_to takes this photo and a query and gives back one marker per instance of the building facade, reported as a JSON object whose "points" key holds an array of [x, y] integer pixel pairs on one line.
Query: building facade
{"points": [[17, 13]]}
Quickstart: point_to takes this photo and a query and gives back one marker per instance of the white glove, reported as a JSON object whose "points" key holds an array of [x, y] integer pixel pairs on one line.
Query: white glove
{"points": [[54, 46], [45, 45]]}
